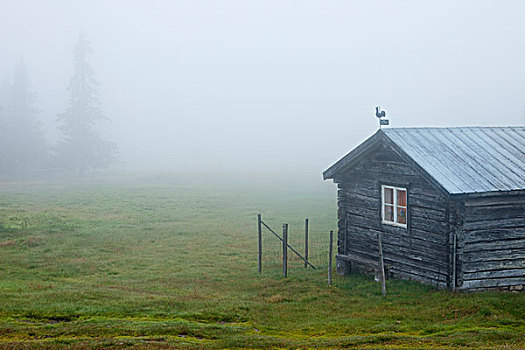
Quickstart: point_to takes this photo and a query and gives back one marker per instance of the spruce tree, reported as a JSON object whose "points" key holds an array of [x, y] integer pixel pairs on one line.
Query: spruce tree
{"points": [[22, 143], [4, 91], [83, 148]]}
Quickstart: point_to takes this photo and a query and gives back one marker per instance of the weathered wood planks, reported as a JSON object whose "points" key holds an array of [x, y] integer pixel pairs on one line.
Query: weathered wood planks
{"points": [[468, 243]]}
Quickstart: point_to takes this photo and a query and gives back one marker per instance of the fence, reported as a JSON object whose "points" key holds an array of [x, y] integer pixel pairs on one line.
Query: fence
{"points": [[292, 247], [282, 251]]}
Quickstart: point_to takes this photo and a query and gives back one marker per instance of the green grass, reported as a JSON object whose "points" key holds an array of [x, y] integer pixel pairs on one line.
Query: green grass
{"points": [[170, 261]]}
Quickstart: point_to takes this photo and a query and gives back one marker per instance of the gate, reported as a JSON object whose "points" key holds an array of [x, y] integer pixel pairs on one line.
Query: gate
{"points": [[274, 248]]}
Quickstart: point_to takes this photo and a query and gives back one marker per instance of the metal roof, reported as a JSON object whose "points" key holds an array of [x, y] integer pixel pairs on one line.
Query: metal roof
{"points": [[464, 159]]}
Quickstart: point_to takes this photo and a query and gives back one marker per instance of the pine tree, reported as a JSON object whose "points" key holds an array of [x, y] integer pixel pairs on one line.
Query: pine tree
{"points": [[82, 148], [22, 143], [4, 91]]}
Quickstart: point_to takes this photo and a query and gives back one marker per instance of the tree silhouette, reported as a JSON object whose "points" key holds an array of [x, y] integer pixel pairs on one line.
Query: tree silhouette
{"points": [[82, 148], [22, 143]]}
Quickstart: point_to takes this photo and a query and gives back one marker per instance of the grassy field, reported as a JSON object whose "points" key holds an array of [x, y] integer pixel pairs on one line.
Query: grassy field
{"points": [[170, 261]]}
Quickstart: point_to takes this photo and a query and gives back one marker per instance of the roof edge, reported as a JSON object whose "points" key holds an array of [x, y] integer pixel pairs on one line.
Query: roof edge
{"points": [[469, 195], [385, 136], [362, 148], [352, 155]]}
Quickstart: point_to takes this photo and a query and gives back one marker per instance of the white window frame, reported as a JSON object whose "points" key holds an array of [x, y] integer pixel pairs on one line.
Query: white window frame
{"points": [[395, 205]]}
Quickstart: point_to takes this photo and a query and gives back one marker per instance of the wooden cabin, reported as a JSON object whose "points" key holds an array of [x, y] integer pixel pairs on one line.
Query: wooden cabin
{"points": [[448, 203]]}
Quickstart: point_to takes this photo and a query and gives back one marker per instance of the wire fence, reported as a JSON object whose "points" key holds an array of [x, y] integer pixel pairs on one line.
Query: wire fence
{"points": [[308, 246], [303, 248]]}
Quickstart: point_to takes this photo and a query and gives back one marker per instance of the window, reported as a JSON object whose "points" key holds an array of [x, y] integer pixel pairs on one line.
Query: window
{"points": [[394, 208]]}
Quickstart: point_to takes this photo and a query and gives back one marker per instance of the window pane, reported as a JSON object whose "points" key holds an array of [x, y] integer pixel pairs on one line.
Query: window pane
{"points": [[389, 213], [389, 196], [402, 198], [402, 215]]}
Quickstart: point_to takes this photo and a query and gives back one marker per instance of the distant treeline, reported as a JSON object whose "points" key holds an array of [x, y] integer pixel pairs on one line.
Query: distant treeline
{"points": [[24, 152]]}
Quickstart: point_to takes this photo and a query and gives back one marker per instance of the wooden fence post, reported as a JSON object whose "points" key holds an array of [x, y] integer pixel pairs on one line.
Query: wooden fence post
{"points": [[305, 243], [330, 253], [259, 228], [285, 250], [381, 265]]}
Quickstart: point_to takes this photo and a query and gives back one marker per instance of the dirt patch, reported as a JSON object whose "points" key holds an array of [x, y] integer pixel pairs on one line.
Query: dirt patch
{"points": [[33, 241], [7, 243], [277, 298]]}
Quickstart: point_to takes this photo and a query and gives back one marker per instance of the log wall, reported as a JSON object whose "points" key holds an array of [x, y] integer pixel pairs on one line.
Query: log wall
{"points": [[422, 251], [491, 245]]}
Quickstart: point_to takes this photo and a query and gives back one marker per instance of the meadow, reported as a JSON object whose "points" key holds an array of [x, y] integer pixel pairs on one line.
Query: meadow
{"points": [[171, 261]]}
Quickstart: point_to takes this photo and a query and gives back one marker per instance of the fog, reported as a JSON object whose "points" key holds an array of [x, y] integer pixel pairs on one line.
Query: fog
{"points": [[277, 86]]}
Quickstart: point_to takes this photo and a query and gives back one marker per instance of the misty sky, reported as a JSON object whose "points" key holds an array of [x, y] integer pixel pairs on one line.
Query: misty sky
{"points": [[230, 85]]}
